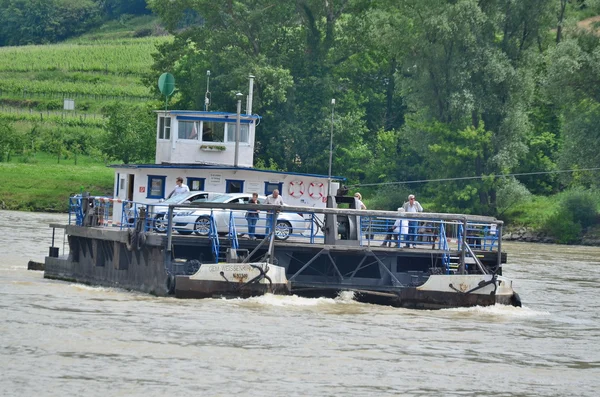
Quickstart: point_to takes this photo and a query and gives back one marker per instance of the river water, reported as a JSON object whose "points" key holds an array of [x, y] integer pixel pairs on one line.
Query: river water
{"points": [[60, 338]]}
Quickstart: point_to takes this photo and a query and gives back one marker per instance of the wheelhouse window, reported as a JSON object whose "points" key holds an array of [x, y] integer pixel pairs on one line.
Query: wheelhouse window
{"points": [[213, 131], [164, 127], [196, 183], [156, 186], [188, 130], [270, 186], [244, 133], [234, 186]]}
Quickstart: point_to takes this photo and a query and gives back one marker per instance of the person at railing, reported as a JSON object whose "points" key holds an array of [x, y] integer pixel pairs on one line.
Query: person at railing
{"points": [[412, 205], [359, 204], [399, 229], [252, 217], [272, 199], [180, 188]]}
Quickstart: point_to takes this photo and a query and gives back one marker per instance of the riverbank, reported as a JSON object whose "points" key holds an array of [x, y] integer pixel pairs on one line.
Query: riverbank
{"points": [[41, 184], [590, 237]]}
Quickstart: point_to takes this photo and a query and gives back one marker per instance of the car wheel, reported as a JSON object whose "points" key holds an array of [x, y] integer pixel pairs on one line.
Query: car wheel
{"points": [[202, 226], [283, 230], [160, 224]]}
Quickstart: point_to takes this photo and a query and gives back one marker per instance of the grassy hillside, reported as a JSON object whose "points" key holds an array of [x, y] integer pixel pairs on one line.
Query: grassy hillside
{"points": [[102, 66], [42, 184]]}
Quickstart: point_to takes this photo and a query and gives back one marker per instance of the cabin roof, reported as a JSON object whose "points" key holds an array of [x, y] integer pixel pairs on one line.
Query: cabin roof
{"points": [[209, 113], [217, 167]]}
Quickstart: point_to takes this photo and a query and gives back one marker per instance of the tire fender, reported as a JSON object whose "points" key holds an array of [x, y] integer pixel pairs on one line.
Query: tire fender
{"points": [[131, 241], [140, 241]]}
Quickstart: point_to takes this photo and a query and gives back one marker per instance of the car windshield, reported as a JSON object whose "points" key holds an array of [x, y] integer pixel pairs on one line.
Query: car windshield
{"points": [[223, 198], [175, 199]]}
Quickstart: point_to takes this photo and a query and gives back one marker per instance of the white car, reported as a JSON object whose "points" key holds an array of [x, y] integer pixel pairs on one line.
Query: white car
{"points": [[158, 211], [190, 221]]}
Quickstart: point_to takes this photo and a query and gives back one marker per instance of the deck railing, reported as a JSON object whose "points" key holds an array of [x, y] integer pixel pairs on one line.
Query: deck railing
{"points": [[444, 232]]}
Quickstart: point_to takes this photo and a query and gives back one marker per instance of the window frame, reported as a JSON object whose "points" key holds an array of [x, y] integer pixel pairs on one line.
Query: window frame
{"points": [[164, 130], [279, 187], [149, 194], [227, 185], [190, 182]]}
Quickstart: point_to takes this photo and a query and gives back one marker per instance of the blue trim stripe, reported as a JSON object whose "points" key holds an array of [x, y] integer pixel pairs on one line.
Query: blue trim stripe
{"points": [[196, 118], [215, 168], [208, 114]]}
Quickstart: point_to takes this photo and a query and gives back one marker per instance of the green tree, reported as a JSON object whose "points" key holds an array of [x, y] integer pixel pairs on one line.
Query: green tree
{"points": [[571, 79], [129, 133], [303, 54], [10, 140], [470, 67]]}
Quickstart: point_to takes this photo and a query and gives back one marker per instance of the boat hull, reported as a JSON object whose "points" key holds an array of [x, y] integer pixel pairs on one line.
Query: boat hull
{"points": [[439, 292], [232, 280]]}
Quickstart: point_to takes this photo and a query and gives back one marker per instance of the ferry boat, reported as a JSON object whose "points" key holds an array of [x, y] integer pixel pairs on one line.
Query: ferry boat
{"points": [[330, 246]]}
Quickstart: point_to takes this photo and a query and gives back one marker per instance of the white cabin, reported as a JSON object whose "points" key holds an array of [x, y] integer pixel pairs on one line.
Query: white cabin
{"points": [[200, 146]]}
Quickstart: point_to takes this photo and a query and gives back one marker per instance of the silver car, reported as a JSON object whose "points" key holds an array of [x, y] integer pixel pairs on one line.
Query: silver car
{"points": [[198, 221], [158, 211]]}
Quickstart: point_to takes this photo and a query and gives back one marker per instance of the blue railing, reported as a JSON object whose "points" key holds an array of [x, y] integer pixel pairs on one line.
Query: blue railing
{"points": [[444, 246], [302, 227], [214, 237], [232, 234]]}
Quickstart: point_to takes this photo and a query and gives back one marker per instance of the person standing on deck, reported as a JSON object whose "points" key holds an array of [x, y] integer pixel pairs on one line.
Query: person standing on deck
{"points": [[272, 199], [399, 229], [412, 205], [180, 188], [252, 217], [361, 205]]}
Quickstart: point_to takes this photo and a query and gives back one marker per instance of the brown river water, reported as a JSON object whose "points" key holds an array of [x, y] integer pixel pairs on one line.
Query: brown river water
{"points": [[65, 339]]}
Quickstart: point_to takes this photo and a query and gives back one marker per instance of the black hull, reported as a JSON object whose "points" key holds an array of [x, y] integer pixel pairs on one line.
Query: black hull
{"points": [[187, 288], [412, 298]]}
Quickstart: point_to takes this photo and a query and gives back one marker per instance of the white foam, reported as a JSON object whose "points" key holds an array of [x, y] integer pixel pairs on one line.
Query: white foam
{"points": [[501, 311], [92, 288], [294, 300]]}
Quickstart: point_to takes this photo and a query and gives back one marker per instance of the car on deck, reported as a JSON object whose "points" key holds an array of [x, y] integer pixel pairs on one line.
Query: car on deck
{"points": [[190, 221], [157, 211]]}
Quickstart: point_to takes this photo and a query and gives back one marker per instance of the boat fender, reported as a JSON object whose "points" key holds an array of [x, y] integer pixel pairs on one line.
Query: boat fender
{"points": [[192, 266], [131, 242], [296, 188], [515, 300], [316, 190], [141, 240], [170, 284]]}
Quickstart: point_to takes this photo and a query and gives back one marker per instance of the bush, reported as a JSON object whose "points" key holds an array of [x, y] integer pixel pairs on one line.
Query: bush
{"points": [[582, 205], [562, 227]]}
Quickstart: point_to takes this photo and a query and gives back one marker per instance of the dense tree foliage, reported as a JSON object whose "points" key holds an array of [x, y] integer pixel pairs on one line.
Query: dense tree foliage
{"points": [[461, 93], [425, 89], [49, 21]]}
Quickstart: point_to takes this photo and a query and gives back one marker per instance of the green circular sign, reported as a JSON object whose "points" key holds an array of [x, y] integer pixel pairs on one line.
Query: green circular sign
{"points": [[166, 84]]}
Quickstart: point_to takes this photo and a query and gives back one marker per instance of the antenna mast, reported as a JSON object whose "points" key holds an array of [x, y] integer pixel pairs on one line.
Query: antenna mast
{"points": [[207, 95]]}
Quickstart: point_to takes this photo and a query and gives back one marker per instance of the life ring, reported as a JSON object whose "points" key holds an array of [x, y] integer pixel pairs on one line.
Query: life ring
{"points": [[296, 188], [316, 190]]}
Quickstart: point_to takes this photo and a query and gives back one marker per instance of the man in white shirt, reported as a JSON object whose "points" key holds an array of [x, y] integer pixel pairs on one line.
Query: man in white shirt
{"points": [[412, 205], [272, 199], [180, 188]]}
